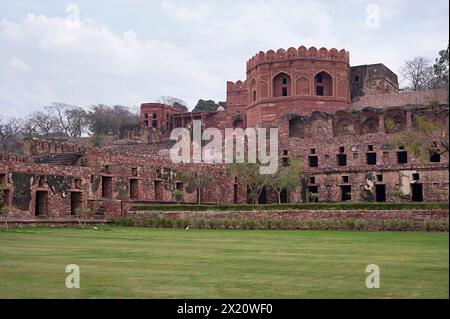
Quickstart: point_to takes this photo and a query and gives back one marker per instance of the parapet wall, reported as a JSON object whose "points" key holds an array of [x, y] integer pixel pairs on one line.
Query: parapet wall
{"points": [[295, 54]]}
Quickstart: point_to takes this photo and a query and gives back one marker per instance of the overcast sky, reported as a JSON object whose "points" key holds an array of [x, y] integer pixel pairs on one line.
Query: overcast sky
{"points": [[129, 52]]}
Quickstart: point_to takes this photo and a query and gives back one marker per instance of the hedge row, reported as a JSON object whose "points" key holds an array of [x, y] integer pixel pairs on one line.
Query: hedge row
{"points": [[392, 224], [293, 206]]}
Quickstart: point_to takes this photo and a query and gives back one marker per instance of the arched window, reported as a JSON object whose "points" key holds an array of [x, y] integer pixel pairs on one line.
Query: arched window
{"points": [[281, 85], [253, 90], [324, 84], [155, 120]]}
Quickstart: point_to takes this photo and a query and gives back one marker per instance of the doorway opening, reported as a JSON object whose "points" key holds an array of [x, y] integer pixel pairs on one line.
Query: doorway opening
{"points": [[346, 193], [158, 190], [75, 202], [380, 191], [106, 187], [134, 189], [417, 192], [41, 206]]}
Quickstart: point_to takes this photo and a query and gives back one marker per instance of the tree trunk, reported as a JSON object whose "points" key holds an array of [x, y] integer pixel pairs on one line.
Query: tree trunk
{"points": [[279, 197]]}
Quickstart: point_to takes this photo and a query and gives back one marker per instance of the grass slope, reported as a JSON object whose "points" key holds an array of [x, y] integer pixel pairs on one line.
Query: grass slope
{"points": [[164, 263]]}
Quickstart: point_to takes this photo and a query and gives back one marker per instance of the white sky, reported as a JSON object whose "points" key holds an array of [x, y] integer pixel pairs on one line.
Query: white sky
{"points": [[129, 52]]}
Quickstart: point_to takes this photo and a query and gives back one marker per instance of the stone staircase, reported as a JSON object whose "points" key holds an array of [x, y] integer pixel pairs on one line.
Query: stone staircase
{"points": [[65, 159]]}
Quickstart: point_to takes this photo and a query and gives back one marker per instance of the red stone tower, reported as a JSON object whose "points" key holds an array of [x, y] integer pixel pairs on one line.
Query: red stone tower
{"points": [[295, 81]]}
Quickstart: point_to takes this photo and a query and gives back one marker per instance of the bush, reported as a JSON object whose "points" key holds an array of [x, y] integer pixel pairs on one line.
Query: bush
{"points": [[268, 223], [177, 195], [213, 223], [314, 224], [349, 223], [200, 223], [294, 206], [123, 221], [398, 224], [360, 224], [248, 223], [182, 222]]}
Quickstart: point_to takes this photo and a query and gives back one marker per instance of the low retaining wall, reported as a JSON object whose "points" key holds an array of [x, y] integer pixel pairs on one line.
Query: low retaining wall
{"points": [[48, 222], [413, 220]]}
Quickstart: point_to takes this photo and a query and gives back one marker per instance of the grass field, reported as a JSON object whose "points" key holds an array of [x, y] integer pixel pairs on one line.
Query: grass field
{"points": [[168, 263]]}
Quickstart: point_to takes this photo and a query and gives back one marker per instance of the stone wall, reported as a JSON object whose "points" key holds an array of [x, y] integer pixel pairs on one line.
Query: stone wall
{"points": [[374, 220]]}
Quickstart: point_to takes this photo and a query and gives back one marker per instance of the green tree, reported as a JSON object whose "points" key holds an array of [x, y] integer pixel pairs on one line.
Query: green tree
{"points": [[441, 65], [424, 138], [249, 175], [106, 120], [286, 178], [208, 106], [195, 181], [177, 195]]}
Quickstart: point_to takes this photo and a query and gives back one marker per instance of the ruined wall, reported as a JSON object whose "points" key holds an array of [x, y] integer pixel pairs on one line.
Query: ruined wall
{"points": [[372, 79], [56, 184], [369, 157]]}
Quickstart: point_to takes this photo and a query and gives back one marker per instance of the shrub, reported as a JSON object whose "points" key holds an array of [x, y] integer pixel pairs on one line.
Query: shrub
{"points": [[294, 206], [360, 224], [279, 223], [166, 222], [431, 225], [268, 223], [5, 211], [83, 214], [314, 224], [234, 223], [200, 223], [248, 223], [398, 224], [213, 223], [123, 221], [177, 195], [182, 222], [226, 223], [349, 223]]}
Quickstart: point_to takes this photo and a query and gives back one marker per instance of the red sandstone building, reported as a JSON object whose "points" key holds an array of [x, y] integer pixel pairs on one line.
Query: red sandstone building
{"points": [[331, 117]]}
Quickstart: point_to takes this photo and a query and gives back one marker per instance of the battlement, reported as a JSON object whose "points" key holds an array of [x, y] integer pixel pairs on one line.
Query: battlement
{"points": [[298, 54], [236, 86]]}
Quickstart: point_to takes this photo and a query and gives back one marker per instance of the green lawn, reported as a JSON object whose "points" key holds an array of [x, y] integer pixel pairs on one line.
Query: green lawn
{"points": [[168, 263]]}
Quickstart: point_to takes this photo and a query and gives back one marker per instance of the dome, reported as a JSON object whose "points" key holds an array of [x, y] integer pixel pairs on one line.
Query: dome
{"points": [[220, 109]]}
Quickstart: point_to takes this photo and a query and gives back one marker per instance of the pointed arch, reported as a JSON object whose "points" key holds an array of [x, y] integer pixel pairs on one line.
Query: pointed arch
{"points": [[303, 86], [323, 84], [263, 90], [253, 92], [281, 85]]}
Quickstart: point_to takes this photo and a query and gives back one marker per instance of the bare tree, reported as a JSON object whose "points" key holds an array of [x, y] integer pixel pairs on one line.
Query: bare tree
{"points": [[70, 119], [42, 123], [419, 73], [173, 101], [10, 133]]}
